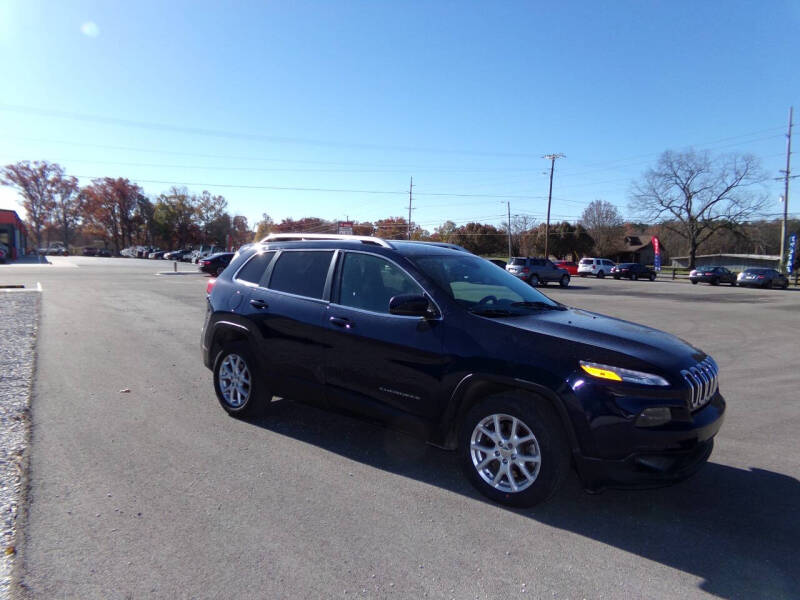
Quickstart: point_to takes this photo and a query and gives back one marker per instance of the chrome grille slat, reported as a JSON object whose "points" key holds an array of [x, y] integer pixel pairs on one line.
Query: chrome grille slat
{"points": [[703, 380]]}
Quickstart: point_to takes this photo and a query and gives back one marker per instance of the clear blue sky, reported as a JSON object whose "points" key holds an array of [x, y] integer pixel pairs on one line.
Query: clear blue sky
{"points": [[241, 98]]}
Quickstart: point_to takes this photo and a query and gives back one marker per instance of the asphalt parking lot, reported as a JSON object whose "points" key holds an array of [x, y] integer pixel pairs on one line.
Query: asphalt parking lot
{"points": [[155, 492]]}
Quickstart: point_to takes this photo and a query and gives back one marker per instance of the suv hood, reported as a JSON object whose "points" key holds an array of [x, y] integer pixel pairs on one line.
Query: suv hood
{"points": [[640, 342]]}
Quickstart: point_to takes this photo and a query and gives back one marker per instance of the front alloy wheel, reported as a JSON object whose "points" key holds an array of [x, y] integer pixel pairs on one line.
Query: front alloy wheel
{"points": [[513, 448], [564, 281], [505, 453]]}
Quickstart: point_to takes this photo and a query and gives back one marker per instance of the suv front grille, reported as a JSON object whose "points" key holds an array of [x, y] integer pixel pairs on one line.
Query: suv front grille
{"points": [[703, 379]]}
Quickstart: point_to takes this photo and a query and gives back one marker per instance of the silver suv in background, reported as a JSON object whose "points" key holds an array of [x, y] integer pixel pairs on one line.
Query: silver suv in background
{"points": [[599, 267], [537, 271]]}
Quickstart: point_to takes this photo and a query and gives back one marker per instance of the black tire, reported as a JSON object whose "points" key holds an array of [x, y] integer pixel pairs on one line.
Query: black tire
{"points": [[600, 274], [785, 286], [616, 277], [652, 276], [634, 277], [733, 283], [533, 280], [715, 281], [540, 419], [768, 284], [254, 405], [564, 282], [694, 282]]}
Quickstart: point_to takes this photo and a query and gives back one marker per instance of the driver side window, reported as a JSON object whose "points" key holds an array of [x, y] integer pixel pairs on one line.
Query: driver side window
{"points": [[368, 282]]}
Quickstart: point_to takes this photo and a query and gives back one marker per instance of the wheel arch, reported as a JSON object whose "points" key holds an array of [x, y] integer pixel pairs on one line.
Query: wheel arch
{"points": [[225, 332], [474, 387]]}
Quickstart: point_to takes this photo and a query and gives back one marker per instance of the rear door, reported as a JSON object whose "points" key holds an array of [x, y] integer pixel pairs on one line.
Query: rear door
{"points": [[383, 365], [287, 309]]}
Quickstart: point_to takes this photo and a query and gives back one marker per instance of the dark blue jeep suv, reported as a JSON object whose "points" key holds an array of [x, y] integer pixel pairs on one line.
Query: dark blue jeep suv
{"points": [[442, 344]]}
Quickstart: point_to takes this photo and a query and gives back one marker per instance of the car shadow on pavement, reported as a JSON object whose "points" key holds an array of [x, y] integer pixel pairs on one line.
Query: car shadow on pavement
{"points": [[736, 529]]}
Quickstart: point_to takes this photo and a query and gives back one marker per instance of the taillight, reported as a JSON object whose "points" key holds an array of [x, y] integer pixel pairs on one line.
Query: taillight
{"points": [[210, 285], [205, 263], [526, 270]]}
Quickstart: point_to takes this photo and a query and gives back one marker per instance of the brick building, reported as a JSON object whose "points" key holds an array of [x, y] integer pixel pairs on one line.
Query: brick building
{"points": [[12, 233]]}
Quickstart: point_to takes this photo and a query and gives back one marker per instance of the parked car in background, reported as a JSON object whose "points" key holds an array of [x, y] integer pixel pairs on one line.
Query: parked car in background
{"points": [[569, 266], [438, 343], [202, 252], [215, 263], [764, 278], [89, 251], [599, 267], [104, 252], [176, 254], [537, 271], [712, 275], [633, 271], [4, 253], [157, 255], [128, 252]]}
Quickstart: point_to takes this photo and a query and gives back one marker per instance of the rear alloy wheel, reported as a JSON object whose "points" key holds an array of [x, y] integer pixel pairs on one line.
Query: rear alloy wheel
{"points": [[652, 276], [600, 274], [564, 281], [534, 280], [513, 449], [634, 277], [715, 281], [238, 388]]}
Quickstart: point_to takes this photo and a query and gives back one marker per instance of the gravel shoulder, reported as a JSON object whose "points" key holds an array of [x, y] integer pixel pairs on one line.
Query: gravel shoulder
{"points": [[19, 312]]}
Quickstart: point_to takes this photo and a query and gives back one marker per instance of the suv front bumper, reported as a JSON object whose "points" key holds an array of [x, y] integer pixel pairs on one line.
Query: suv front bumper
{"points": [[661, 455]]}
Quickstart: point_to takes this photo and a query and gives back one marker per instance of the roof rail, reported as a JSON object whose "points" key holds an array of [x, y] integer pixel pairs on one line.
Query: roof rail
{"points": [[299, 237]]}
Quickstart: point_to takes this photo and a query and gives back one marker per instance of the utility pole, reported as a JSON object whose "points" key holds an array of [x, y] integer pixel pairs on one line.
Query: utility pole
{"points": [[786, 176], [552, 158], [508, 206], [410, 187]]}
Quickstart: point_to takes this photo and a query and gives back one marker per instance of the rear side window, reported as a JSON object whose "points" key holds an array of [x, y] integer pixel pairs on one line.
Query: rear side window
{"points": [[255, 267], [301, 272], [587, 261], [517, 261]]}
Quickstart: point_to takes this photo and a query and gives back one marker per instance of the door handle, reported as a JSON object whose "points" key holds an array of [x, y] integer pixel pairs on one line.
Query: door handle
{"points": [[341, 322], [256, 303]]}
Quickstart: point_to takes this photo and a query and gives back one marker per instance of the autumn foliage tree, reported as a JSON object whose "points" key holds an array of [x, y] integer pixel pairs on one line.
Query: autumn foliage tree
{"points": [[36, 182], [110, 203], [67, 207]]}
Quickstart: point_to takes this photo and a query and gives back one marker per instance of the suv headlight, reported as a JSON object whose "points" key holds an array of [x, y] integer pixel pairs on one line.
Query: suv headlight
{"points": [[611, 373]]}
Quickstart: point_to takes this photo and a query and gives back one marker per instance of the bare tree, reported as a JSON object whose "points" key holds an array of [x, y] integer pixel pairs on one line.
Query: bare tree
{"points": [[35, 181], [693, 194], [604, 224]]}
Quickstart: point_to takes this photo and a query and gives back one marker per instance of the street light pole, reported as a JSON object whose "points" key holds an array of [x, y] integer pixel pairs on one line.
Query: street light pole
{"points": [[786, 176], [508, 206], [552, 158]]}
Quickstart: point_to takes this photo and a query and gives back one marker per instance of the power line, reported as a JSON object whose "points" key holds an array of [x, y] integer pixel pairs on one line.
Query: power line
{"points": [[219, 133]]}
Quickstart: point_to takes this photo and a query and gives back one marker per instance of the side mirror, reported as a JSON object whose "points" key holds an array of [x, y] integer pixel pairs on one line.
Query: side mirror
{"points": [[411, 305]]}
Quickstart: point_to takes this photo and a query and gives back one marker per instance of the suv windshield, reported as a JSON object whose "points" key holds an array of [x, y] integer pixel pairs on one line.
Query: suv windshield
{"points": [[478, 285]]}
